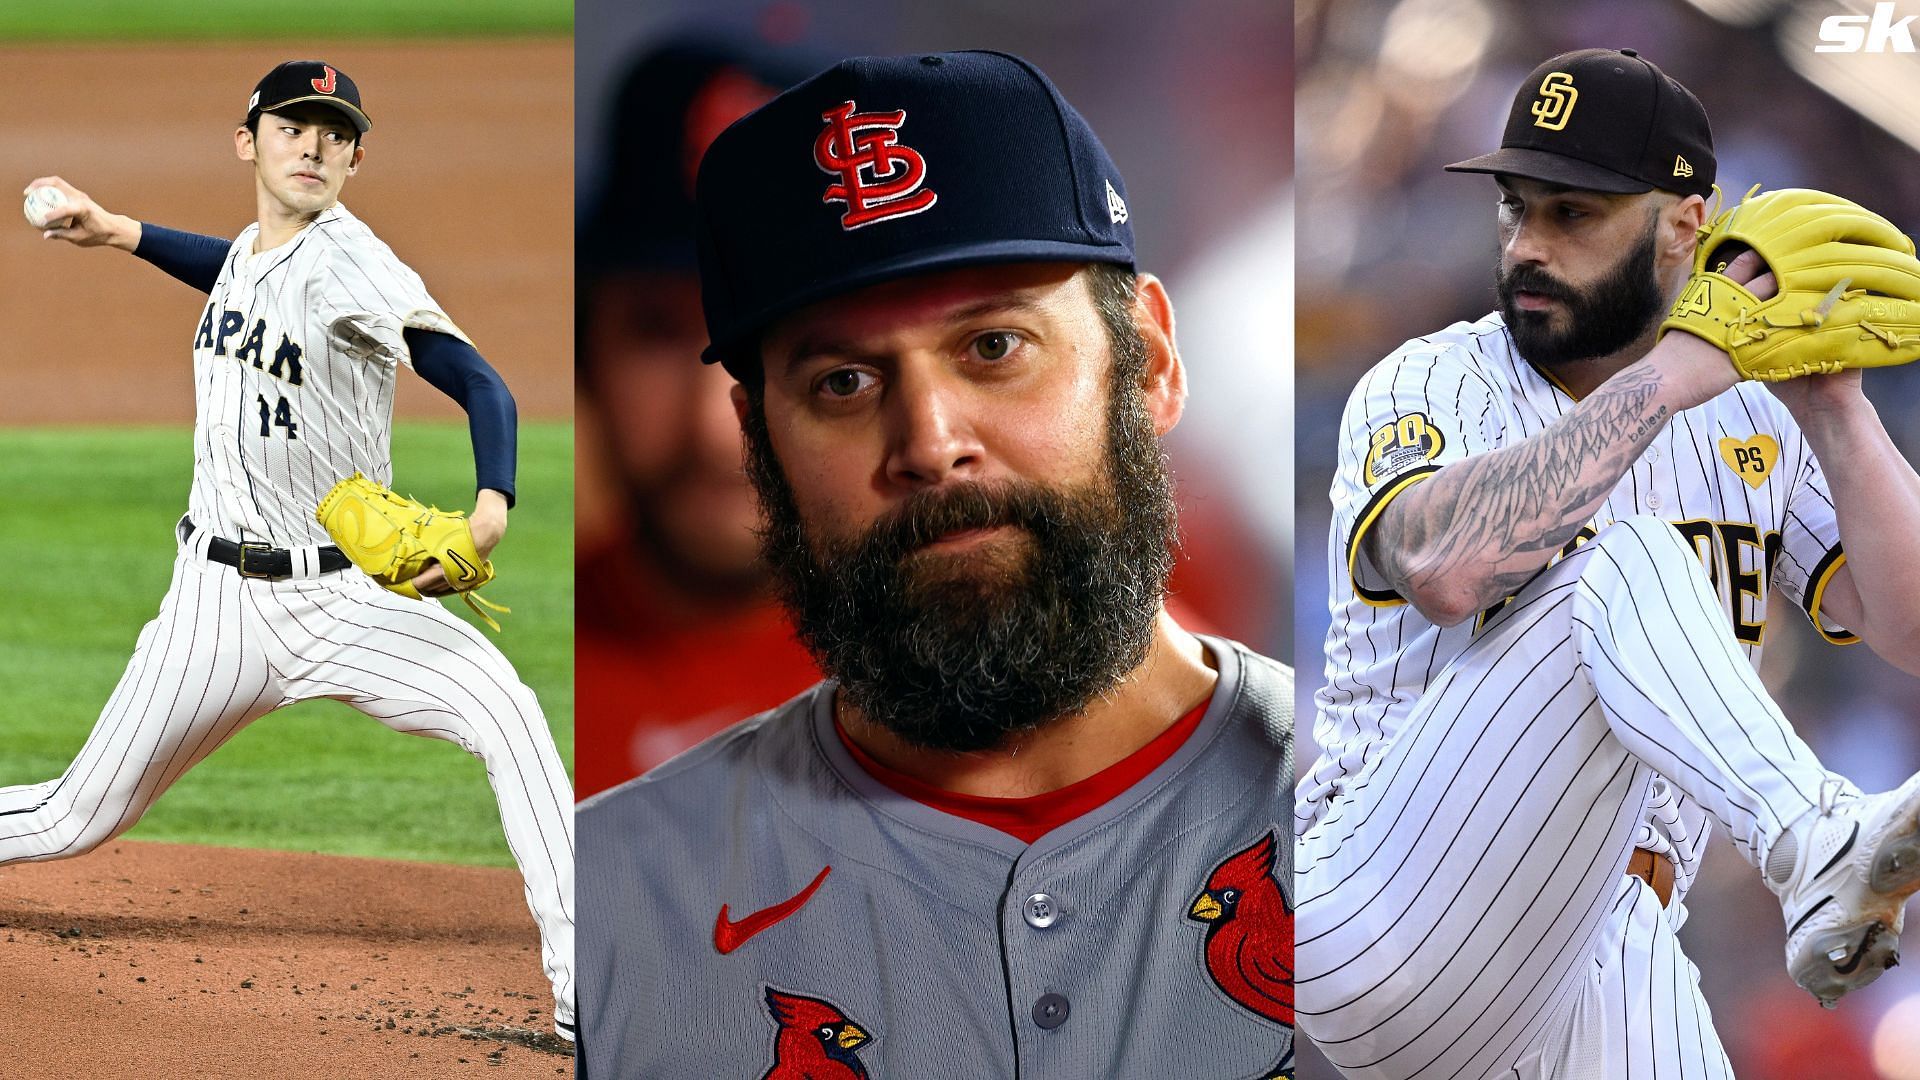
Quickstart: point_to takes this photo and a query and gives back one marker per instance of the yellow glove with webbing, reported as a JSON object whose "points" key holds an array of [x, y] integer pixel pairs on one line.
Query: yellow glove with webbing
{"points": [[394, 538], [1849, 287]]}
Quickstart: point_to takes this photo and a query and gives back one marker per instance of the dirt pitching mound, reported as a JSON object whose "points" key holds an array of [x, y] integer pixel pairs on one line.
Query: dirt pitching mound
{"points": [[165, 960]]}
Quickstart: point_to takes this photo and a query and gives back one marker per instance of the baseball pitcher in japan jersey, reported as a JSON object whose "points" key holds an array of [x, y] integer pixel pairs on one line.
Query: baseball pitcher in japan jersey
{"points": [[308, 321], [295, 361], [763, 906]]}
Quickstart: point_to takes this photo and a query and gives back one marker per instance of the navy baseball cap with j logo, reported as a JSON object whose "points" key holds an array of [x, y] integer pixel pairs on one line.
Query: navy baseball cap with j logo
{"points": [[1604, 120], [308, 80], [885, 167]]}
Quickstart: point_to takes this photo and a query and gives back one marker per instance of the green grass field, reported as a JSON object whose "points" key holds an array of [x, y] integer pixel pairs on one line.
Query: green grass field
{"points": [[86, 553], [200, 20]]}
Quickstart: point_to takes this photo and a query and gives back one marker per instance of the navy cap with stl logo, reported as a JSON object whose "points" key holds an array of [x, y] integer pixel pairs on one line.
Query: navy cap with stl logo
{"points": [[884, 167], [1604, 120], [308, 80]]}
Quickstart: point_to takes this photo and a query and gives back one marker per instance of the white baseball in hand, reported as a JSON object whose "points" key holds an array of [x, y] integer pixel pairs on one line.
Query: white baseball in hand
{"points": [[46, 208]]}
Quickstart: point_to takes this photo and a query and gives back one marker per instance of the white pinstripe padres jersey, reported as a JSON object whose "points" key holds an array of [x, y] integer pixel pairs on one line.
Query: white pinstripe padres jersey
{"points": [[1735, 475], [294, 363]]}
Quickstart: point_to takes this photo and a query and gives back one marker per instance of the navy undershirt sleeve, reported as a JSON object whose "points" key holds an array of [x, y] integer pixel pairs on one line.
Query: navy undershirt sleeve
{"points": [[457, 370], [189, 257]]}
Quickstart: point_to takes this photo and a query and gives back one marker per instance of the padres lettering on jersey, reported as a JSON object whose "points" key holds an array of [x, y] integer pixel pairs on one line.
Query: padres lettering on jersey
{"points": [[1738, 560], [1734, 475], [295, 362]]}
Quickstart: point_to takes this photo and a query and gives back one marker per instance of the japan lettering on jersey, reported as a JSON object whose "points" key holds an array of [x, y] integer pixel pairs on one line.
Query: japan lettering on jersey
{"points": [[295, 358], [1734, 475]]}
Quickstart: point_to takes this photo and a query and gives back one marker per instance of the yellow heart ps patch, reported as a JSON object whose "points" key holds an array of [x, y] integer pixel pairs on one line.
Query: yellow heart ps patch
{"points": [[1752, 460]]}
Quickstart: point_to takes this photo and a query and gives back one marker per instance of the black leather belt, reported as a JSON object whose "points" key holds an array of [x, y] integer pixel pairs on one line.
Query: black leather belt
{"points": [[259, 560]]}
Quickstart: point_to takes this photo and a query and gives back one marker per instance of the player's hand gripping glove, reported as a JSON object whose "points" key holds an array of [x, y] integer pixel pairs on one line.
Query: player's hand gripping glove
{"points": [[394, 538], [1849, 287]]}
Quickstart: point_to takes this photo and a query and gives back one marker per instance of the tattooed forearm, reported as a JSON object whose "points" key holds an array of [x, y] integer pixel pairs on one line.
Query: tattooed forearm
{"points": [[1644, 432], [1489, 523]]}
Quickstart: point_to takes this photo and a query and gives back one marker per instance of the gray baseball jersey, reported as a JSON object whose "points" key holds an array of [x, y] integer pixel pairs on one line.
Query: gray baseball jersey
{"points": [[762, 907]]}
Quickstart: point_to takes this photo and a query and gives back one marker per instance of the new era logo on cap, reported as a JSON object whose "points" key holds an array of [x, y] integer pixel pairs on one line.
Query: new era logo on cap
{"points": [[1116, 206]]}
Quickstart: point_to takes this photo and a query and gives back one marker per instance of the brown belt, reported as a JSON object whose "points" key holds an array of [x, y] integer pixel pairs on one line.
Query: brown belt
{"points": [[1655, 870]]}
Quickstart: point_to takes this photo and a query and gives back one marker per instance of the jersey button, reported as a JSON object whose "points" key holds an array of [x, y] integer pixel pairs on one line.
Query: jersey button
{"points": [[1042, 911], [1653, 500], [1051, 1011]]}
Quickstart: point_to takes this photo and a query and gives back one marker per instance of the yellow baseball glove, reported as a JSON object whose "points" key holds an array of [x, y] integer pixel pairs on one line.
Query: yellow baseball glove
{"points": [[1849, 287], [394, 538]]}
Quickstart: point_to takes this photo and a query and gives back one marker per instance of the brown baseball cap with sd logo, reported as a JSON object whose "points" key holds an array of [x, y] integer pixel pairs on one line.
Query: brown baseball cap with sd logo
{"points": [[1604, 120]]}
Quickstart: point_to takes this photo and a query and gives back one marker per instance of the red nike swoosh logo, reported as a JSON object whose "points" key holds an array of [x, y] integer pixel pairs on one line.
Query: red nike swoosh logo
{"points": [[729, 935]]}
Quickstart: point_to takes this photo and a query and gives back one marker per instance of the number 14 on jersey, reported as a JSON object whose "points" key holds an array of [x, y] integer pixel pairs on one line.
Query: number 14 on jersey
{"points": [[280, 416]]}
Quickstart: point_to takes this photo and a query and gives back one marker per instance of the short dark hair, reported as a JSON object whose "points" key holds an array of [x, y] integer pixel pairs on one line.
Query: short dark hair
{"points": [[1113, 287]]}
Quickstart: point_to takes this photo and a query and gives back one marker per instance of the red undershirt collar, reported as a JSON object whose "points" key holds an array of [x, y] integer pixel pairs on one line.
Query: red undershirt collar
{"points": [[1028, 819]]}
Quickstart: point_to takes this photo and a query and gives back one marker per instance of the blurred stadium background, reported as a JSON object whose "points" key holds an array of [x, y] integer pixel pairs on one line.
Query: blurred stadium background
{"points": [[1390, 247]]}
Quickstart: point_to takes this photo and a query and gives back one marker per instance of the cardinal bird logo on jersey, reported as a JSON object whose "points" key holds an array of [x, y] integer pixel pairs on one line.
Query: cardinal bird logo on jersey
{"points": [[814, 1040], [1249, 947]]}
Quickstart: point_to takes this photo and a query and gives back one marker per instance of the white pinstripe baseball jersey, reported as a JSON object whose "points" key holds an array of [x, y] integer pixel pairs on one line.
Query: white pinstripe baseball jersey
{"points": [[294, 362], [1480, 787], [1735, 475], [295, 359]]}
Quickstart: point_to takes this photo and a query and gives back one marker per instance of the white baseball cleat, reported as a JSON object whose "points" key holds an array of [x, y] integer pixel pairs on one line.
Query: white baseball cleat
{"points": [[1843, 874]]}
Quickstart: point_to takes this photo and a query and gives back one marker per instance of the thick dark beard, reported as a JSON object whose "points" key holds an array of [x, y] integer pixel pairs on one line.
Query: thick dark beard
{"points": [[1601, 320], [957, 654]]}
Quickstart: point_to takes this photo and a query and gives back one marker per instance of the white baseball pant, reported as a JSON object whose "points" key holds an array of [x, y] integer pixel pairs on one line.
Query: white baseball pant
{"points": [[1464, 909], [225, 650]]}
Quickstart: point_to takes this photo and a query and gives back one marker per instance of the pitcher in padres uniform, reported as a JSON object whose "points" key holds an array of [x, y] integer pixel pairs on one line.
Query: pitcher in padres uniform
{"points": [[295, 356], [1030, 826], [1520, 765]]}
